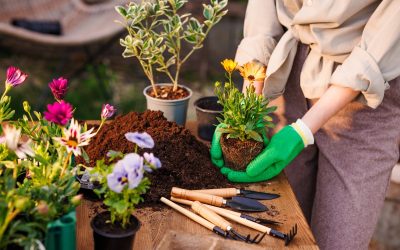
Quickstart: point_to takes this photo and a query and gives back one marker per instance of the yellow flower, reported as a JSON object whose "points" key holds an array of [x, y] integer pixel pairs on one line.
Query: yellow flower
{"points": [[253, 71], [229, 65]]}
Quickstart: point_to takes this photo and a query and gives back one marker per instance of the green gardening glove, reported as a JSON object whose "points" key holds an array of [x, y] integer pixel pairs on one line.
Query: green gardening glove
{"points": [[283, 148], [216, 152]]}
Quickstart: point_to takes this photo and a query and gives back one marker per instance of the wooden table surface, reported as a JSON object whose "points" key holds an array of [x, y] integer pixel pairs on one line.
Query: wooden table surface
{"points": [[167, 229]]}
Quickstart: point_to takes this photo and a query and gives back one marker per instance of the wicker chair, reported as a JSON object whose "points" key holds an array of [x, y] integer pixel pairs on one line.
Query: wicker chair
{"points": [[81, 23]]}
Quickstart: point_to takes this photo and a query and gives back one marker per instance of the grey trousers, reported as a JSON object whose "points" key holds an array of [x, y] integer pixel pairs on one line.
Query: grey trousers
{"points": [[341, 180]]}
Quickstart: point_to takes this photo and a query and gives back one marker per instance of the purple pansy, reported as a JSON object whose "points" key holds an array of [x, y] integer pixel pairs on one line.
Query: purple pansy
{"points": [[151, 162], [128, 171], [143, 140], [107, 111], [59, 112], [15, 76], [59, 88]]}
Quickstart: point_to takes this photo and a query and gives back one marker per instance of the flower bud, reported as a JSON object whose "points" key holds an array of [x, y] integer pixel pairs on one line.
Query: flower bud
{"points": [[76, 200], [21, 203], [27, 107], [42, 208]]}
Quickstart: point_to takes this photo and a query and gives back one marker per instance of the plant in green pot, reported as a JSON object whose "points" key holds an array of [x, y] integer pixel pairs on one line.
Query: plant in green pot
{"points": [[122, 185], [163, 39], [245, 120], [38, 191]]}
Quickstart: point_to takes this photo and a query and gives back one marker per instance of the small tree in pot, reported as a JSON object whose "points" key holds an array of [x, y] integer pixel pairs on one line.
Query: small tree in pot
{"points": [[163, 39], [244, 119], [122, 186]]}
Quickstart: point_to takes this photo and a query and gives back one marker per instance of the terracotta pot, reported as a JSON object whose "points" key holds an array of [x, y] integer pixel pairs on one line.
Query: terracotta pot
{"points": [[207, 111], [174, 110], [238, 154], [109, 237]]}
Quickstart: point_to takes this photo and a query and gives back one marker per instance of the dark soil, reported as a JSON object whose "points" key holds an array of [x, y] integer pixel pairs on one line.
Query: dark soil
{"points": [[100, 222], [185, 161], [238, 154], [167, 93]]}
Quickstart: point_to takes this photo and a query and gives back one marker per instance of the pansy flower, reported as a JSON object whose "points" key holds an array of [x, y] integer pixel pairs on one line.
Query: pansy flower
{"points": [[151, 162], [143, 140]]}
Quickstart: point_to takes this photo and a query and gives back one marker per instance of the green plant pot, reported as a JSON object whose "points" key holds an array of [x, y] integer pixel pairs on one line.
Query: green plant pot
{"points": [[61, 233], [174, 110]]}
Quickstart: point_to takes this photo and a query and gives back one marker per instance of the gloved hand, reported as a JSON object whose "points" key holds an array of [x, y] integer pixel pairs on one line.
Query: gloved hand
{"points": [[283, 148], [216, 152]]}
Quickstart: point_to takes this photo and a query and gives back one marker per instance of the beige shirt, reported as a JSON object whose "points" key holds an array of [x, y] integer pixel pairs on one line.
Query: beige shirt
{"points": [[361, 36]]}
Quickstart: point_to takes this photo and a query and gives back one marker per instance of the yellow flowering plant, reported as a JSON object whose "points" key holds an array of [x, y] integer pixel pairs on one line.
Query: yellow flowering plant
{"points": [[245, 115], [253, 71]]}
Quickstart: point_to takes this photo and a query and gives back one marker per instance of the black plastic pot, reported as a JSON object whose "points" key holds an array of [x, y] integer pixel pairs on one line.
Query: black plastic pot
{"points": [[207, 111], [122, 240]]}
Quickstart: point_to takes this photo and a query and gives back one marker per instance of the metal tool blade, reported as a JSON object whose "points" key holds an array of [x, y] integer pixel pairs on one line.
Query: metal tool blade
{"points": [[246, 204], [258, 195]]}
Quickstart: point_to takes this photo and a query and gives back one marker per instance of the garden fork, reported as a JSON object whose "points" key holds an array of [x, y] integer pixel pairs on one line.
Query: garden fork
{"points": [[213, 217]]}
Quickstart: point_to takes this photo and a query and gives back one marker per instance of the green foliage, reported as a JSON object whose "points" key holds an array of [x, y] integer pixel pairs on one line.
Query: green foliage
{"points": [[245, 116], [157, 32], [120, 205]]}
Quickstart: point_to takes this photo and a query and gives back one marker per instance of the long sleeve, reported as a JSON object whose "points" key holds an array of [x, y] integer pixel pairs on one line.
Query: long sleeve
{"points": [[261, 32], [376, 59]]}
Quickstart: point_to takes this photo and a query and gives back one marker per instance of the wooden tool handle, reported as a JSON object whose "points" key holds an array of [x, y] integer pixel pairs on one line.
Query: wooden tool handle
{"points": [[218, 210], [222, 192], [195, 196], [242, 221], [210, 215], [193, 216]]}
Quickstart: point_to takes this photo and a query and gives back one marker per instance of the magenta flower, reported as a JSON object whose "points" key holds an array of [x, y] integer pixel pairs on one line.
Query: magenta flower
{"points": [[59, 112], [15, 76], [59, 88], [107, 111]]}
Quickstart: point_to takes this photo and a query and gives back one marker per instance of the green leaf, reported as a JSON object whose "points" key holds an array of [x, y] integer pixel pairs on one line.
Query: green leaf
{"points": [[121, 10]]}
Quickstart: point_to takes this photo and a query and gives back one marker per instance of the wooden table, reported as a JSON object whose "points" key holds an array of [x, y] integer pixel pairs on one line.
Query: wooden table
{"points": [[168, 229]]}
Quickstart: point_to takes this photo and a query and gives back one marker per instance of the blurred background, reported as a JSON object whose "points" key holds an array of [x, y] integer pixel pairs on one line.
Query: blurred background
{"points": [[85, 49]]}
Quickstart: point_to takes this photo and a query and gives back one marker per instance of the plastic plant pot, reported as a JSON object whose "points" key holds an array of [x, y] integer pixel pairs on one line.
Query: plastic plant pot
{"points": [[174, 110], [207, 111], [110, 237], [61, 233]]}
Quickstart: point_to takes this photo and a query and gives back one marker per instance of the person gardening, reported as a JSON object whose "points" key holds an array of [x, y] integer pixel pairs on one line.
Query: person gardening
{"points": [[333, 69]]}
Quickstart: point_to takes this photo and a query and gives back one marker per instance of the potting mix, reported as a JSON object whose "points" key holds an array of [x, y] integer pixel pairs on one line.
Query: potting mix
{"points": [[185, 160]]}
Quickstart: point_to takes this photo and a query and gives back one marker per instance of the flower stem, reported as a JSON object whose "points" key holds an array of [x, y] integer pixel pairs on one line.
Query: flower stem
{"points": [[8, 87], [7, 221], [66, 161]]}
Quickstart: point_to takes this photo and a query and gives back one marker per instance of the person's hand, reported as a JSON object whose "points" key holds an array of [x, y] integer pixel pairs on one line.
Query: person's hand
{"points": [[280, 152], [216, 152]]}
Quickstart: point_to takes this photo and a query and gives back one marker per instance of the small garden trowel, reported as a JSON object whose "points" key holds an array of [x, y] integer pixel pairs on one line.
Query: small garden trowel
{"points": [[238, 203], [231, 192]]}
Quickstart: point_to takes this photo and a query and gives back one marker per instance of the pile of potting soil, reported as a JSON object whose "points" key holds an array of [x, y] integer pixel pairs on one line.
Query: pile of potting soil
{"points": [[185, 161]]}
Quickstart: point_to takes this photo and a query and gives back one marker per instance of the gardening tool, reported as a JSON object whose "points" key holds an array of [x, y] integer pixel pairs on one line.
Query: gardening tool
{"points": [[238, 203], [232, 216], [205, 223], [211, 216], [231, 192], [244, 216]]}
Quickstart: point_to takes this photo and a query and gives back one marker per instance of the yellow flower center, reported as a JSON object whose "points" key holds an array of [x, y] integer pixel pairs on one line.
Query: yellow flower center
{"points": [[124, 180], [72, 142]]}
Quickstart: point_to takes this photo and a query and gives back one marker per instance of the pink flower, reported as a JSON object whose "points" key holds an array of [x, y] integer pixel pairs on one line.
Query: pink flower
{"points": [[107, 111], [15, 76], [59, 112], [59, 88]]}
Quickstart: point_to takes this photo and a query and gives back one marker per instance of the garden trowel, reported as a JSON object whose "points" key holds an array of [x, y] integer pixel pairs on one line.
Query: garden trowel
{"points": [[232, 192], [237, 202]]}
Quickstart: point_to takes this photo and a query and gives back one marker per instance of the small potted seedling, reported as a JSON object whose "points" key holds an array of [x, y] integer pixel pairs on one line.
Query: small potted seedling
{"points": [[245, 119], [122, 185], [163, 39]]}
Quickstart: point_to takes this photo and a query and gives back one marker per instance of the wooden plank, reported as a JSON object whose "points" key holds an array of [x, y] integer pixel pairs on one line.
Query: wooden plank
{"points": [[160, 223]]}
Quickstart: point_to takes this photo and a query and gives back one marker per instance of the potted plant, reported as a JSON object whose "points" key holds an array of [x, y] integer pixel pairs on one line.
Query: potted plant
{"points": [[38, 191], [163, 39], [122, 185], [244, 121]]}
